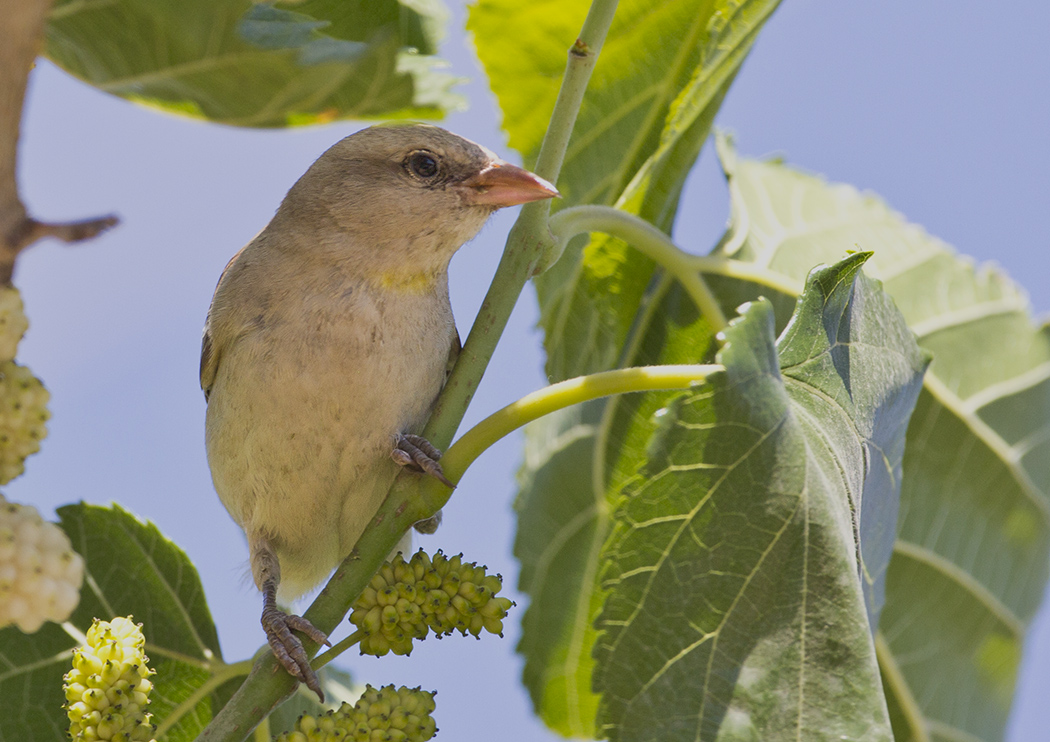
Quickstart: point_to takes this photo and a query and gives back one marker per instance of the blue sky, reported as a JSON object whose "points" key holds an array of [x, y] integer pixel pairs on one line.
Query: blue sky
{"points": [[941, 108]]}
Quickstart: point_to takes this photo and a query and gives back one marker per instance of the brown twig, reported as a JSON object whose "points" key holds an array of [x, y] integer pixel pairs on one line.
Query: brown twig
{"points": [[21, 35]]}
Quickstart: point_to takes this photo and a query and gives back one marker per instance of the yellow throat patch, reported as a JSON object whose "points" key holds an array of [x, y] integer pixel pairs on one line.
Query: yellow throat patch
{"points": [[408, 282]]}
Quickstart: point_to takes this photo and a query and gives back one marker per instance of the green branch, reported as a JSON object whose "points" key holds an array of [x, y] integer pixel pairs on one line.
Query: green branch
{"points": [[324, 658], [582, 57]]}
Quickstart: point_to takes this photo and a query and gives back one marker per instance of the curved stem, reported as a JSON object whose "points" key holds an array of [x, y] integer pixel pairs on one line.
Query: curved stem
{"points": [[76, 634], [647, 239], [222, 675], [325, 657], [722, 266], [561, 395]]}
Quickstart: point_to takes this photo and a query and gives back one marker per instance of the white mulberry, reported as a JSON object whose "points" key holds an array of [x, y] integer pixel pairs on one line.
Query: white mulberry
{"points": [[23, 414], [40, 574], [13, 322]]}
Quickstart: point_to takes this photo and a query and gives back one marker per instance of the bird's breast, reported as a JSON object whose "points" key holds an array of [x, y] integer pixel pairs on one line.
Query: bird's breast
{"points": [[305, 405], [375, 359]]}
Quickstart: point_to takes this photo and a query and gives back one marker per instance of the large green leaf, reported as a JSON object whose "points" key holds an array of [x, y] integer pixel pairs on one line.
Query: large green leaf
{"points": [[741, 570], [657, 115], [256, 64], [970, 562], [654, 115], [131, 569]]}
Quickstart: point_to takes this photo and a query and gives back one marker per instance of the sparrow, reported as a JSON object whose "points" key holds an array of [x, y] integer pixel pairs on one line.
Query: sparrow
{"points": [[326, 344]]}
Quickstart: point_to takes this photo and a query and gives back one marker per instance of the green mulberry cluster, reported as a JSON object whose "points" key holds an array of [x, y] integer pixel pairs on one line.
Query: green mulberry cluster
{"points": [[108, 689], [23, 414], [383, 715], [406, 600]]}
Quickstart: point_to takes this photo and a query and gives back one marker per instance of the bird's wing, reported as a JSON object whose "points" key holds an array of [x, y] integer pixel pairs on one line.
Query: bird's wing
{"points": [[209, 353], [453, 353], [209, 363]]}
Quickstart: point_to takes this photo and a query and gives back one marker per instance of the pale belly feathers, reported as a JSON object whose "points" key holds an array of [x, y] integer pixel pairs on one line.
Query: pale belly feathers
{"points": [[299, 441]]}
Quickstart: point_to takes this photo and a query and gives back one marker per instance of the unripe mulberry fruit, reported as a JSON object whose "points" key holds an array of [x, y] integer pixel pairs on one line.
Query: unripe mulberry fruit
{"points": [[13, 322], [406, 600], [23, 414], [382, 714], [108, 689], [40, 574]]}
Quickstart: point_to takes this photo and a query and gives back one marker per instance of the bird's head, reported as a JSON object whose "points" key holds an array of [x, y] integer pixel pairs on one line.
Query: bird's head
{"points": [[407, 193]]}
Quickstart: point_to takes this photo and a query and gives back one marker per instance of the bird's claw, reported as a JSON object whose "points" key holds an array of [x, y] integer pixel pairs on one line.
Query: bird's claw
{"points": [[287, 647], [416, 453]]}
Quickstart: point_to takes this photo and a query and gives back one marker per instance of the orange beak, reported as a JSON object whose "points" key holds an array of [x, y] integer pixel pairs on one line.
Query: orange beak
{"points": [[501, 184]]}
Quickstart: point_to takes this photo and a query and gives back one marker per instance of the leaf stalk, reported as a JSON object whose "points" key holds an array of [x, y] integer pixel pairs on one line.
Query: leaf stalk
{"points": [[565, 394], [647, 239]]}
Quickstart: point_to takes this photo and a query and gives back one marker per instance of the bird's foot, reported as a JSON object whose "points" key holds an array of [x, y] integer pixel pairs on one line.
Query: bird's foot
{"points": [[287, 648], [415, 452]]}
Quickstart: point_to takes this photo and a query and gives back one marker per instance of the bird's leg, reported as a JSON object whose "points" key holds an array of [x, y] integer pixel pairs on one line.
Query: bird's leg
{"points": [[278, 625], [415, 452]]}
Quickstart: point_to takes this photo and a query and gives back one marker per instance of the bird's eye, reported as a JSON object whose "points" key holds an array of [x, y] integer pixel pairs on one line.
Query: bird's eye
{"points": [[423, 164]]}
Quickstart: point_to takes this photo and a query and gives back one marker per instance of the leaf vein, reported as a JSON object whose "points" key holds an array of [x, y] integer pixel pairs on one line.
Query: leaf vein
{"points": [[965, 580], [967, 315], [1020, 383], [991, 438]]}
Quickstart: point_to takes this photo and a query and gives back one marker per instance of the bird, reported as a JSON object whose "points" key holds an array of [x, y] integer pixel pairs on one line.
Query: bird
{"points": [[328, 339]]}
